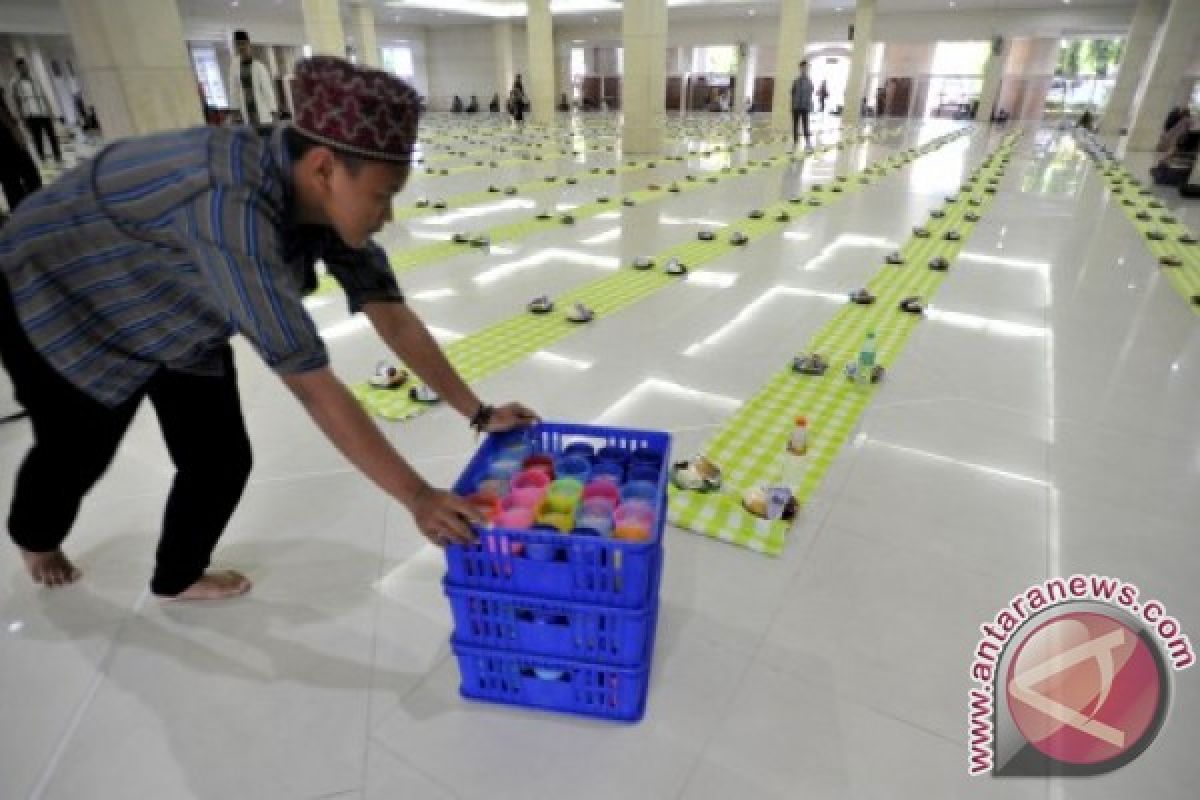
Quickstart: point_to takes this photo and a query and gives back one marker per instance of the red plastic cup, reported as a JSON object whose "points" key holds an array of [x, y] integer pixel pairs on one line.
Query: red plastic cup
{"points": [[531, 479], [602, 488], [540, 461]]}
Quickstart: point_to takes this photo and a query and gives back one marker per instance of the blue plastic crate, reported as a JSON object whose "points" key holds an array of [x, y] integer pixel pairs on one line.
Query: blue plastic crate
{"points": [[561, 566], [585, 688], [553, 628]]}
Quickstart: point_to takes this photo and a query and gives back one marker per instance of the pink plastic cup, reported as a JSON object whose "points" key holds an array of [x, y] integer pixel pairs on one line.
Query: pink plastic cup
{"points": [[531, 479], [527, 497], [515, 518], [602, 488]]}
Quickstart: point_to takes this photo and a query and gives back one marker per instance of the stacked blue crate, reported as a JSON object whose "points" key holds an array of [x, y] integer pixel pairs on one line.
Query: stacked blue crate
{"points": [[556, 621]]}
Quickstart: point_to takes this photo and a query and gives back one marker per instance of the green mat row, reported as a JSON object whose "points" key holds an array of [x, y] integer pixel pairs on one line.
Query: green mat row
{"points": [[1173, 245], [750, 446], [417, 257], [511, 340]]}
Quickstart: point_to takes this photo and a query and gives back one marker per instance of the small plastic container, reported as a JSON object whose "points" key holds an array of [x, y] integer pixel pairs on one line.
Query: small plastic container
{"points": [[576, 467], [529, 497], [503, 468], [561, 521], [493, 486], [614, 455], [581, 449], [563, 495], [540, 461], [633, 522], [487, 503], [520, 519], [602, 489], [608, 471], [640, 490], [531, 479]]}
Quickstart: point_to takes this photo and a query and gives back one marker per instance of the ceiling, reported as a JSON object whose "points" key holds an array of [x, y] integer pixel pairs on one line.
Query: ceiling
{"points": [[443, 12]]}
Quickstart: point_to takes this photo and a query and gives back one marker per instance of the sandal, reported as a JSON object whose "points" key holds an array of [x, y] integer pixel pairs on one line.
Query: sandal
{"points": [[952, 236], [482, 240], [939, 264], [852, 372], [510, 191], [894, 257], [580, 313], [460, 238], [810, 364], [1157, 236], [912, 305], [697, 475], [737, 237], [937, 213], [675, 267], [423, 394], [706, 236], [756, 214], [567, 219], [921, 233], [541, 305], [971, 216], [643, 263], [862, 297], [1171, 261], [387, 376], [783, 216], [770, 503]]}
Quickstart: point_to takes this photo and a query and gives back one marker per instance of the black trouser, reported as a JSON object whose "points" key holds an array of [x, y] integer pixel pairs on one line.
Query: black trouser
{"points": [[798, 117], [39, 126], [19, 176], [75, 438]]}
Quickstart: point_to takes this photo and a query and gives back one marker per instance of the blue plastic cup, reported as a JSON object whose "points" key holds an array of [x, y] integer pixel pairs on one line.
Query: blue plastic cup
{"points": [[576, 467], [645, 457], [640, 490], [504, 467], [608, 471], [581, 449], [644, 472], [616, 455]]}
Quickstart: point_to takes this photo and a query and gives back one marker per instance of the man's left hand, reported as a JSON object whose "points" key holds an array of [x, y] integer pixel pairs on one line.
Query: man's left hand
{"points": [[510, 416]]}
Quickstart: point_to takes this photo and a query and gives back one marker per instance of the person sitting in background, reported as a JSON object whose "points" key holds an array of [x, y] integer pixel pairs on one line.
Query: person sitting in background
{"points": [[1169, 143], [494, 106], [457, 105], [473, 106], [563, 105]]}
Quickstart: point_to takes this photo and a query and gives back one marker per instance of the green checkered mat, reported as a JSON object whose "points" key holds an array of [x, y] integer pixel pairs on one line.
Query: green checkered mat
{"points": [[499, 346], [750, 447], [417, 257], [1155, 219]]}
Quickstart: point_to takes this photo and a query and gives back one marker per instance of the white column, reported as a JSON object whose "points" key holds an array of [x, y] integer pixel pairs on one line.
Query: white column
{"points": [[363, 15], [644, 85], [793, 38], [502, 44], [135, 64], [741, 78], [1176, 49], [1133, 63], [540, 83], [993, 72], [323, 28], [864, 21]]}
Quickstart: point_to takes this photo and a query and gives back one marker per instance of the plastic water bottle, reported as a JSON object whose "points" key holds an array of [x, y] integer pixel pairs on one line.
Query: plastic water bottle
{"points": [[793, 467], [866, 360]]}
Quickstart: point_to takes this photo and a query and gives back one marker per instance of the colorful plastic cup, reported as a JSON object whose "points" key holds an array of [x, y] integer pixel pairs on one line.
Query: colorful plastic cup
{"points": [[608, 471], [531, 479], [494, 486], [563, 495], [615, 455], [597, 507], [602, 488], [632, 522], [515, 518], [504, 467], [602, 524], [561, 521], [576, 467], [581, 449], [644, 472], [640, 490], [530, 497], [519, 449], [540, 461], [487, 503]]}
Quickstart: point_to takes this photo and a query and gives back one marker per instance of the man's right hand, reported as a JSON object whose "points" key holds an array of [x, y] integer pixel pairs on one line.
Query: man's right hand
{"points": [[443, 517]]}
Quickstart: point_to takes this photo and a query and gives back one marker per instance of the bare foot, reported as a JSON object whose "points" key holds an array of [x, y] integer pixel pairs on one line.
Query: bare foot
{"points": [[50, 569], [216, 585]]}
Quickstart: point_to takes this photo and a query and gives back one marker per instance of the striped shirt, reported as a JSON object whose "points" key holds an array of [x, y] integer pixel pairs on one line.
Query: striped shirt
{"points": [[29, 99], [163, 247]]}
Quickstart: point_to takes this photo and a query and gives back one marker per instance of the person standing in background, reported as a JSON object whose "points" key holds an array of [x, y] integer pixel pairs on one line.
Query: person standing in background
{"points": [[516, 102], [252, 93], [31, 105], [822, 95], [802, 105], [19, 176]]}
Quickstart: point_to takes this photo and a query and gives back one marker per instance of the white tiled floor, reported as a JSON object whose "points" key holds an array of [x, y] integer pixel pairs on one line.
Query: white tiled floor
{"points": [[1045, 422]]}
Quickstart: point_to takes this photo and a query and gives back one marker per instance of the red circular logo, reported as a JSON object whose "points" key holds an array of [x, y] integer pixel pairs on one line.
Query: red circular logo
{"points": [[1083, 688]]}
